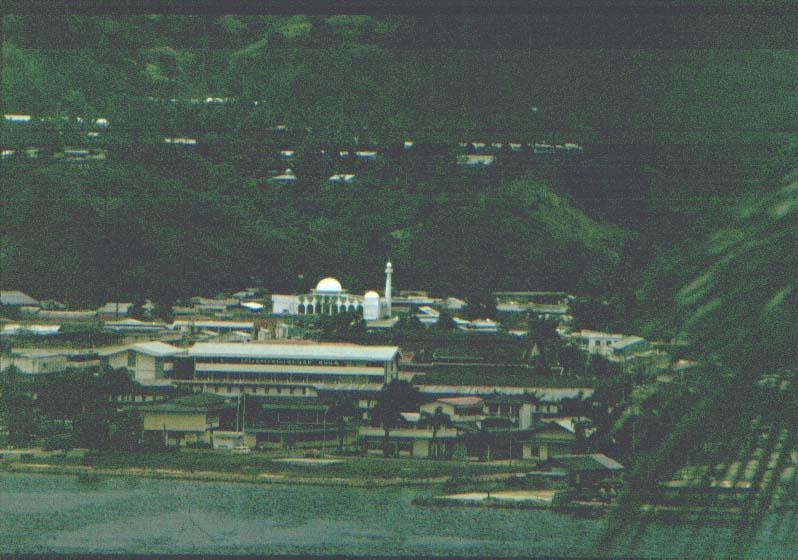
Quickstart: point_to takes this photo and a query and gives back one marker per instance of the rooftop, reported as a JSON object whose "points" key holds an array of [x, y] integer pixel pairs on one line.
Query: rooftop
{"points": [[157, 349], [15, 297], [587, 462], [299, 351], [461, 401]]}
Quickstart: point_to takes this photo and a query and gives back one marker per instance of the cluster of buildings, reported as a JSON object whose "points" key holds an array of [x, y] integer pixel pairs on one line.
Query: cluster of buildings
{"points": [[228, 371]]}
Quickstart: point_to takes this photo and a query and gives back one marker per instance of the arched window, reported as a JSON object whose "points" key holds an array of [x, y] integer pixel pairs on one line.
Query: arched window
{"points": [[301, 309], [309, 309]]}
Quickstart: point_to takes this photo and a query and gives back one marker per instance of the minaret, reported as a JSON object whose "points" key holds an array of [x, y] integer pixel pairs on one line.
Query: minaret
{"points": [[388, 273]]}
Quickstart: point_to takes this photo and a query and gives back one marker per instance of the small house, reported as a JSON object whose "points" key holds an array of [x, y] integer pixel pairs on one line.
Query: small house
{"points": [[183, 420], [458, 409], [588, 470]]}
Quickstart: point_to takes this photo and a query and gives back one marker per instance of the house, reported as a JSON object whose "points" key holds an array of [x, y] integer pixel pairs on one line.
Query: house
{"points": [[289, 422], [409, 441], [629, 346], [213, 305], [596, 342], [113, 310], [427, 315], [286, 176], [585, 471], [476, 160], [342, 178], [216, 327], [34, 362], [477, 325], [496, 440], [134, 326], [59, 315], [550, 439], [509, 406], [31, 330], [181, 141], [147, 361], [15, 298], [183, 420], [458, 409]]}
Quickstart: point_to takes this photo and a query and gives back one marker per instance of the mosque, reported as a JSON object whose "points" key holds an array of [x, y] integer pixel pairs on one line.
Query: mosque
{"points": [[330, 298]]}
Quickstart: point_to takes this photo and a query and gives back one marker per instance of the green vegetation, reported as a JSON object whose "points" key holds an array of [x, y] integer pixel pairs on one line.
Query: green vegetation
{"points": [[161, 221]]}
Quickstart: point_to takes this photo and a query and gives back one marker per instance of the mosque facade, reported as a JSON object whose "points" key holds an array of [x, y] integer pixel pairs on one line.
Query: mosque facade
{"points": [[330, 298]]}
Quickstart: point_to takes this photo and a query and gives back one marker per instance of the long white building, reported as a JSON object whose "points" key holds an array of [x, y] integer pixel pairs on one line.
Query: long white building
{"points": [[288, 369]]}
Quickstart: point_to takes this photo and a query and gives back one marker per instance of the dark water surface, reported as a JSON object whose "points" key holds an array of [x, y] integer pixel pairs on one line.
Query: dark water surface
{"points": [[61, 514]]}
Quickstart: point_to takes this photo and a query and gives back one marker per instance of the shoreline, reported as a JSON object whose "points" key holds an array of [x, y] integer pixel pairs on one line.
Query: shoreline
{"points": [[217, 476]]}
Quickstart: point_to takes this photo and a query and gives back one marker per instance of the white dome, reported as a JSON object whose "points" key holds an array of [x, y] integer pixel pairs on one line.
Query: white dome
{"points": [[371, 294], [329, 285]]}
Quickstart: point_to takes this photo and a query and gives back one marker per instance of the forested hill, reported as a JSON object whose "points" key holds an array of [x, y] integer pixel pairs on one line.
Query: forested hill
{"points": [[673, 140]]}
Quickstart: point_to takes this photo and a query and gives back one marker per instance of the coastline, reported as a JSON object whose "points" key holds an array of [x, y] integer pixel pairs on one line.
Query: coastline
{"points": [[217, 476]]}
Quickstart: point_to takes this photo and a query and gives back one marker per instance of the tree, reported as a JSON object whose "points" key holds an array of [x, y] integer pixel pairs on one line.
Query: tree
{"points": [[480, 304], [16, 409], [437, 421], [445, 321], [543, 335], [741, 312], [396, 397], [340, 409]]}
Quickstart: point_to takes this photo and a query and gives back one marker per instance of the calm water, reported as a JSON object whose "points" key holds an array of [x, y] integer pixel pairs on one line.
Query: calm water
{"points": [[61, 514]]}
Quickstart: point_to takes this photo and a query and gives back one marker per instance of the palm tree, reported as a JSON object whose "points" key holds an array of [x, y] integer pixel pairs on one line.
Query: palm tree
{"points": [[396, 397], [342, 407], [437, 421], [742, 310]]}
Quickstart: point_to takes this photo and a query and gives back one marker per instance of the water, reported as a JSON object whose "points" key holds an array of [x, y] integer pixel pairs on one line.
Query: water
{"points": [[61, 514]]}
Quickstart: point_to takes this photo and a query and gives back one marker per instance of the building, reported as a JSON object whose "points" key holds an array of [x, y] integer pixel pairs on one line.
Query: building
{"points": [[181, 421], [286, 176], [409, 441], [329, 298], [214, 327], [292, 422], [546, 305], [288, 370], [147, 361], [630, 346], [510, 407], [596, 342], [131, 325], [35, 363], [587, 471], [550, 439], [477, 325], [15, 298], [13, 329], [458, 409], [113, 310], [476, 160]]}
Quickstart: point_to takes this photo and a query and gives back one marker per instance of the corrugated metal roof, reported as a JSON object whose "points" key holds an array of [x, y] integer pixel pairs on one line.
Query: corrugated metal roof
{"points": [[461, 401], [547, 394], [587, 462], [288, 351], [158, 349], [15, 297]]}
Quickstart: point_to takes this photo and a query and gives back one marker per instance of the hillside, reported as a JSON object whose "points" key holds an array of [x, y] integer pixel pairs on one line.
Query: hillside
{"points": [[674, 141]]}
